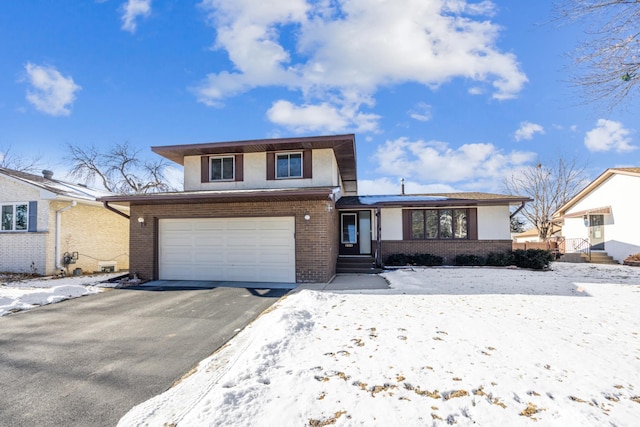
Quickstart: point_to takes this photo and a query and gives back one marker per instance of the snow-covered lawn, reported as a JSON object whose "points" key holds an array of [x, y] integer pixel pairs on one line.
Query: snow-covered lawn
{"points": [[18, 295], [464, 346]]}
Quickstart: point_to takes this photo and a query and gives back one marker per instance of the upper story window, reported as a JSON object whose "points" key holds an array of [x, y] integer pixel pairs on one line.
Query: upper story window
{"points": [[289, 165], [439, 224], [15, 217], [221, 168]]}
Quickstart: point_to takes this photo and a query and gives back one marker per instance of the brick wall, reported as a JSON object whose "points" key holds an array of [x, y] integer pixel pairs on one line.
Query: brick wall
{"points": [[23, 252], [448, 249], [97, 234], [316, 239]]}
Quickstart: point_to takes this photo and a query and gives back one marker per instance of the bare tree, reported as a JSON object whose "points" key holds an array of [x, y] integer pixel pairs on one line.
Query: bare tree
{"points": [[9, 160], [119, 169], [550, 186], [608, 60]]}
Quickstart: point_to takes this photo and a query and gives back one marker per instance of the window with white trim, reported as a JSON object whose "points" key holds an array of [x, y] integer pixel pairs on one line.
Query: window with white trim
{"points": [[289, 165], [15, 217], [221, 168]]}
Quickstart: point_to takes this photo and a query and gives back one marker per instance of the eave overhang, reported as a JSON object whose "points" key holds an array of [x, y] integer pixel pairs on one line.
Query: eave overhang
{"points": [[427, 201], [320, 193]]}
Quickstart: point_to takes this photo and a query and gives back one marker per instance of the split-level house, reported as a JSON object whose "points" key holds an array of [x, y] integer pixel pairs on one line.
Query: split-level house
{"points": [[49, 226], [603, 217], [286, 210]]}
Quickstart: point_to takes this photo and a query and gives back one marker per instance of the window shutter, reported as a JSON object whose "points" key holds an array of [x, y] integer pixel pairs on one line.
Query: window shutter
{"points": [[271, 166], [204, 169], [33, 216], [472, 224], [406, 224], [307, 161], [239, 167]]}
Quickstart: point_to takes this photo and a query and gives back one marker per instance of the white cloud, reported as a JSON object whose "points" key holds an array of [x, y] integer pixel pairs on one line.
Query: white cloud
{"points": [[421, 112], [609, 135], [527, 130], [50, 92], [133, 9], [334, 51], [479, 165], [307, 117]]}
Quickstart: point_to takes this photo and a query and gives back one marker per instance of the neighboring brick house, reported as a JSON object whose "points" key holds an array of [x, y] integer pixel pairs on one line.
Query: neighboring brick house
{"points": [[285, 210], [603, 217], [45, 219]]}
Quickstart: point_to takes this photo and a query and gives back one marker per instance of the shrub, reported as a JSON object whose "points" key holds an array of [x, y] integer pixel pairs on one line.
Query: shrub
{"points": [[500, 259], [397, 259], [537, 259], [428, 259], [469, 259], [417, 259]]}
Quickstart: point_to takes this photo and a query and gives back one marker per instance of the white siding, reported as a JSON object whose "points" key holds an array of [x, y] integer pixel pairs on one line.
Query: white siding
{"points": [[494, 223], [621, 230], [324, 174], [391, 222]]}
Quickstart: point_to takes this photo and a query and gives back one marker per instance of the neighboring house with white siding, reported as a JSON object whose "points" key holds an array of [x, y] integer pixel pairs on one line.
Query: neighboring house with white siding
{"points": [[48, 225], [604, 215]]}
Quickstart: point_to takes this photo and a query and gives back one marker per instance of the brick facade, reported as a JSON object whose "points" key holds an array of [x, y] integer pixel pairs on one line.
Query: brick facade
{"points": [[448, 249], [316, 239], [98, 235]]}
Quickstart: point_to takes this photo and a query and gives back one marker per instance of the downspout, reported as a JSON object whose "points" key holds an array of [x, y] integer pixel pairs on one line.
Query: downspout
{"points": [[378, 237], [58, 232], [517, 210]]}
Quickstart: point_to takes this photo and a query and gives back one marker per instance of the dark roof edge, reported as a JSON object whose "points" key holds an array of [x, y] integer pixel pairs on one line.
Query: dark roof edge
{"points": [[225, 196], [437, 203], [250, 142]]}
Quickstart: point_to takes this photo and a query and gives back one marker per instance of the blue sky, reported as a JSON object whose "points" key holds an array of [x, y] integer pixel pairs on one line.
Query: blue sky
{"points": [[451, 95]]}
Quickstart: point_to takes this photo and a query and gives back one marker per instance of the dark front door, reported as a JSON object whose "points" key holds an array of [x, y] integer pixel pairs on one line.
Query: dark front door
{"points": [[355, 233]]}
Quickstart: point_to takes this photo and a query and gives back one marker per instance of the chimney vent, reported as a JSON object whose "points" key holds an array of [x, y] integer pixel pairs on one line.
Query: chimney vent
{"points": [[402, 186], [47, 174]]}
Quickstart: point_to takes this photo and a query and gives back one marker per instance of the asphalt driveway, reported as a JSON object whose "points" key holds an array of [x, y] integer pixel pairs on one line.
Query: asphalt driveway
{"points": [[87, 361]]}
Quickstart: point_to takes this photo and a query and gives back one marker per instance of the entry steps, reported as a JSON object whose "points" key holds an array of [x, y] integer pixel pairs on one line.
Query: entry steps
{"points": [[357, 264], [596, 258]]}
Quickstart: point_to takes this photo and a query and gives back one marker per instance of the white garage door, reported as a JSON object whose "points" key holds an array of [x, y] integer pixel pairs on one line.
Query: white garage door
{"points": [[227, 249]]}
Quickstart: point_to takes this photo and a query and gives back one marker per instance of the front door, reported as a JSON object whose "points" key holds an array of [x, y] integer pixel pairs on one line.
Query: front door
{"points": [[596, 232], [355, 233]]}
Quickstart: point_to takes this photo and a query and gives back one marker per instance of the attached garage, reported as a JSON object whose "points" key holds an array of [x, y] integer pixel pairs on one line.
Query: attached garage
{"points": [[260, 249]]}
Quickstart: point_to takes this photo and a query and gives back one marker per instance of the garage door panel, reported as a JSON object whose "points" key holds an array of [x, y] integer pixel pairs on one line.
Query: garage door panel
{"points": [[228, 249]]}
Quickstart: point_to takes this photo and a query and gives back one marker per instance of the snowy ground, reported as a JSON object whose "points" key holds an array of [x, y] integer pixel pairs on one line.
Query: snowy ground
{"points": [[464, 346], [18, 295]]}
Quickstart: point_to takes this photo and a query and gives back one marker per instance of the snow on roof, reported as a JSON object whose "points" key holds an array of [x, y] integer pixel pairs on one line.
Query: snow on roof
{"points": [[56, 186], [372, 200]]}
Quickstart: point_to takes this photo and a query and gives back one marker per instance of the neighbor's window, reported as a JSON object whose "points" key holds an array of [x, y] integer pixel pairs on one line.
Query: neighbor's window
{"points": [[289, 165], [221, 168], [15, 217], [439, 224]]}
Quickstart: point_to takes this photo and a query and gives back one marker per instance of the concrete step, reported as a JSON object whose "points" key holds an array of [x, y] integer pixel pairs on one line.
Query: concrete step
{"points": [[602, 258], [373, 270], [596, 258], [573, 258], [364, 265]]}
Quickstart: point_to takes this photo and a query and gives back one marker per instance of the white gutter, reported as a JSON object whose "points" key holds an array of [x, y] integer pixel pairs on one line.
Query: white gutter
{"points": [[58, 232]]}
